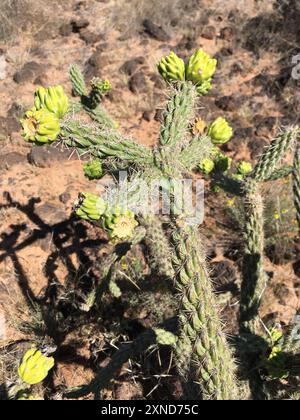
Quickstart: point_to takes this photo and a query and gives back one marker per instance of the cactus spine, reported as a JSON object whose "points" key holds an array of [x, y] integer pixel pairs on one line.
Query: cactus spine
{"points": [[202, 340]]}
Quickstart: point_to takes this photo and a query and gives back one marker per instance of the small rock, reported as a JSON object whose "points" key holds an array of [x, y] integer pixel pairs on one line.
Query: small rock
{"points": [[138, 83], [155, 31], [65, 197], [266, 126], [227, 103], [66, 29], [159, 115], [147, 116], [11, 159], [16, 110], [79, 24], [187, 43], [130, 66], [282, 292], [51, 214], [89, 37], [257, 147], [227, 33], [9, 125], [158, 81], [96, 63], [209, 32], [28, 73], [45, 157], [281, 252]]}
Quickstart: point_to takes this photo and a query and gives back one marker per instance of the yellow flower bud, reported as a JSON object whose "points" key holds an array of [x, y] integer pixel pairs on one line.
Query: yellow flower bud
{"points": [[35, 367]]}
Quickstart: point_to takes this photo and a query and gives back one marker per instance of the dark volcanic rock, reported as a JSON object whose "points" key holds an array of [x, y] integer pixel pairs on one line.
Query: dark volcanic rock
{"points": [[79, 24], [51, 214], [28, 72], [9, 125], [11, 159], [138, 83], [89, 37], [45, 157], [130, 66], [209, 32], [228, 103], [155, 31]]}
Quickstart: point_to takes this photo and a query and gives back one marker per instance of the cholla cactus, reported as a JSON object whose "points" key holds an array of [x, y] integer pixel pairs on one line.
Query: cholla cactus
{"points": [[220, 131], [90, 207], [120, 224], [93, 169], [200, 71], [35, 367], [53, 99], [172, 68], [40, 126]]}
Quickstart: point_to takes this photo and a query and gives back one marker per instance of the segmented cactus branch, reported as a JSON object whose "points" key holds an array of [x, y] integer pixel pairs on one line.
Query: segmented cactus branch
{"points": [[281, 173], [296, 183], [254, 277], [104, 143], [202, 341], [200, 148], [77, 80], [159, 249], [179, 112], [274, 154]]}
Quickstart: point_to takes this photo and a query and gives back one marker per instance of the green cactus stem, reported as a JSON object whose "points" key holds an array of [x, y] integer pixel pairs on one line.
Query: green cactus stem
{"points": [[254, 277], [203, 355], [274, 154]]}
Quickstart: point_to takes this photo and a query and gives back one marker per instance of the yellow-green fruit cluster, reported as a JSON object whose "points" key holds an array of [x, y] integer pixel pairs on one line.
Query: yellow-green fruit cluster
{"points": [[120, 224], [40, 126], [244, 168], [172, 68], [35, 367], [90, 207], [220, 131], [94, 169], [207, 166], [53, 99], [200, 70]]}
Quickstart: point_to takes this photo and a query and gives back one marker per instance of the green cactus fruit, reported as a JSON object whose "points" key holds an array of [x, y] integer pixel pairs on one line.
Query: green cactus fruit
{"points": [[90, 207], [244, 168], [207, 166], [220, 131], [172, 68], [35, 367], [223, 163], [120, 224], [53, 99], [94, 169], [165, 338], [200, 70], [40, 127]]}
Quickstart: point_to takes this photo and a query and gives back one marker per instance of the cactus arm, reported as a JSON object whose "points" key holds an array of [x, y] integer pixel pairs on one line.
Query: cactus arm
{"points": [[274, 154], [202, 339], [254, 277], [281, 173], [199, 149], [296, 183], [178, 114], [158, 246], [101, 117], [104, 143], [77, 80]]}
